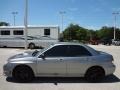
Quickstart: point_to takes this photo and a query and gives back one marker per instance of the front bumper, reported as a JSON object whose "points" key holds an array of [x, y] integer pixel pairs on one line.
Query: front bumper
{"points": [[7, 70]]}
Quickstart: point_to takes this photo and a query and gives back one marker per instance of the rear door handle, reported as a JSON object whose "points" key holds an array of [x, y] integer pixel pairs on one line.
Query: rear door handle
{"points": [[61, 59]]}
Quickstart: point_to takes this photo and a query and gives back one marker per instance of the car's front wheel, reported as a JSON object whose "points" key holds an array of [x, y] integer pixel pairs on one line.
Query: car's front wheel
{"points": [[95, 74], [23, 74]]}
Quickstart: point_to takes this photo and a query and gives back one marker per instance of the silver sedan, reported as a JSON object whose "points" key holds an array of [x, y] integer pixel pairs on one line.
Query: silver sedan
{"points": [[60, 60]]}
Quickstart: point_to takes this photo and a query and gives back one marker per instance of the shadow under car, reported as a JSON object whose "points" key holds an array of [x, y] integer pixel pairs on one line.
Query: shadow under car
{"points": [[57, 80]]}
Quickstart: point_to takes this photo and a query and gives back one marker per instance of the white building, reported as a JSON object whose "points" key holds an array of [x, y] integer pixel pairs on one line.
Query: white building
{"points": [[51, 31]]}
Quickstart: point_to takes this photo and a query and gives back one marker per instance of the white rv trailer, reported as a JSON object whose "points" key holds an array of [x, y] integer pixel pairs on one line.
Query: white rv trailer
{"points": [[42, 36]]}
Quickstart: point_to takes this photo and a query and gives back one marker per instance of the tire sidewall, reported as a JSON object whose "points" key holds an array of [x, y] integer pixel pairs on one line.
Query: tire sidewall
{"points": [[25, 70], [31, 45], [97, 78]]}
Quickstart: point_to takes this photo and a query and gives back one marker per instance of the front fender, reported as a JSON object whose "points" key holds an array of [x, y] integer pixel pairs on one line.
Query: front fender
{"points": [[30, 64]]}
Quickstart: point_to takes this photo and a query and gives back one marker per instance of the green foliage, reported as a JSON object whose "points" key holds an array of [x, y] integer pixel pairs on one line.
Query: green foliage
{"points": [[81, 34], [92, 35], [4, 24], [106, 32], [75, 32], [70, 32]]}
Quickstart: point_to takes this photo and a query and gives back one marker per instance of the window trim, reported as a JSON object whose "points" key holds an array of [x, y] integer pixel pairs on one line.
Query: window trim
{"points": [[67, 52]]}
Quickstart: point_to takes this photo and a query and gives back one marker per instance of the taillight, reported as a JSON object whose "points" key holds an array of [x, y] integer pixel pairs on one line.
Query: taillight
{"points": [[112, 58]]}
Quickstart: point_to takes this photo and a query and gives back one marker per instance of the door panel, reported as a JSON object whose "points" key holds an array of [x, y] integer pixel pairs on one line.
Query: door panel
{"points": [[76, 66], [54, 63], [51, 66], [78, 60]]}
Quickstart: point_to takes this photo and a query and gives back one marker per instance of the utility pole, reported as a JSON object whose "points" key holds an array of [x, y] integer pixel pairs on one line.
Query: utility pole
{"points": [[62, 15], [115, 19], [14, 17], [26, 24]]}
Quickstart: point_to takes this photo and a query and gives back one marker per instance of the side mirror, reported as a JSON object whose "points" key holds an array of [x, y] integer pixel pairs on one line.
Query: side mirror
{"points": [[42, 56]]}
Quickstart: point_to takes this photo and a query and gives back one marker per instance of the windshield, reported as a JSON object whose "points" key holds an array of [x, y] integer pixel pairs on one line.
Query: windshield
{"points": [[36, 52]]}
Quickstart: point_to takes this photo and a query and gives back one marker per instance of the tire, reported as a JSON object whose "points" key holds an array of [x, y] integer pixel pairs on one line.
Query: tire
{"points": [[23, 74], [95, 74], [31, 45]]}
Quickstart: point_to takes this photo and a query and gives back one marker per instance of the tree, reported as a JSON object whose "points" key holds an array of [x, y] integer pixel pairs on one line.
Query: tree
{"points": [[4, 24], [118, 33], [70, 32], [81, 34], [93, 35], [106, 32], [75, 32]]}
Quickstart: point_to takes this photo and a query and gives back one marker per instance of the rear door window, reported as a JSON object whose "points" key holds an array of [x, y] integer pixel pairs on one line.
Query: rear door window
{"points": [[77, 50]]}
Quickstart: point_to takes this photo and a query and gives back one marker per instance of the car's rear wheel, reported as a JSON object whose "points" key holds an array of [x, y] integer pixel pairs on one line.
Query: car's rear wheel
{"points": [[31, 45], [95, 74], [23, 74]]}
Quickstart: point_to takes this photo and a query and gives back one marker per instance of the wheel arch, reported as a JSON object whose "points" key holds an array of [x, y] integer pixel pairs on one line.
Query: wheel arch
{"points": [[31, 43], [92, 67], [23, 65]]}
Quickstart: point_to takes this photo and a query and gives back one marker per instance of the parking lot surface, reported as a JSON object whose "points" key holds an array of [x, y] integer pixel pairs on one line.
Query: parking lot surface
{"points": [[109, 83]]}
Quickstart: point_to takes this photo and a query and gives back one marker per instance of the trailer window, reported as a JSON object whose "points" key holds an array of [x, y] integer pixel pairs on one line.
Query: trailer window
{"points": [[46, 31], [5, 32], [18, 32]]}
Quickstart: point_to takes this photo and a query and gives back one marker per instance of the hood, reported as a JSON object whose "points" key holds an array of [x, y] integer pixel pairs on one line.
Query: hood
{"points": [[21, 55]]}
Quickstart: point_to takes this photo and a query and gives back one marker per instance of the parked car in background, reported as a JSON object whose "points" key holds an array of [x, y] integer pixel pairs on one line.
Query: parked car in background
{"points": [[60, 60], [116, 42], [13, 36], [32, 42], [106, 41], [94, 42]]}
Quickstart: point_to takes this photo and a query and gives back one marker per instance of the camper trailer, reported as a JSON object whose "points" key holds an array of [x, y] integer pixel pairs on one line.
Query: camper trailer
{"points": [[42, 36]]}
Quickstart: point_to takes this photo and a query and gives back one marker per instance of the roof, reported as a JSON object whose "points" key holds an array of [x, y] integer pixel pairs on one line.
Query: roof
{"points": [[31, 26], [93, 51], [68, 43]]}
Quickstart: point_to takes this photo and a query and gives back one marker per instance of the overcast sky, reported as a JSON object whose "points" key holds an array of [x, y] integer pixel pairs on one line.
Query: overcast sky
{"points": [[91, 14]]}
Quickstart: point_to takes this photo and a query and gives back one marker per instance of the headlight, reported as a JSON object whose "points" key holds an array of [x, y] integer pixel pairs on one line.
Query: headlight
{"points": [[7, 66]]}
